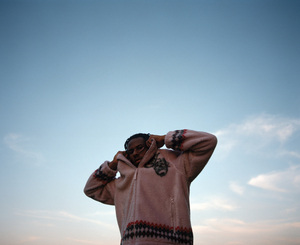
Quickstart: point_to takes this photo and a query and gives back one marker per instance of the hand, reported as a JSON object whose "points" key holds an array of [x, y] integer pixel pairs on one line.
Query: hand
{"points": [[114, 163], [160, 140]]}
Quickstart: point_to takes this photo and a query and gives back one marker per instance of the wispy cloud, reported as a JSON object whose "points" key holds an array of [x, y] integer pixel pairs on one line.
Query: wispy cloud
{"points": [[241, 232], [213, 203], [62, 216], [280, 181], [291, 153], [240, 226], [84, 241], [77, 218], [102, 213], [269, 126], [29, 239], [235, 187], [257, 132], [19, 144]]}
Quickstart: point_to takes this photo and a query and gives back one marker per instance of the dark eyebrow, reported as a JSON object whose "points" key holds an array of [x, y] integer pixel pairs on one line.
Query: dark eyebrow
{"points": [[142, 145]]}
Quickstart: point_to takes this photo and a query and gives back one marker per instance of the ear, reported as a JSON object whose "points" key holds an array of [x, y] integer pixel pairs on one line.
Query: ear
{"points": [[149, 142]]}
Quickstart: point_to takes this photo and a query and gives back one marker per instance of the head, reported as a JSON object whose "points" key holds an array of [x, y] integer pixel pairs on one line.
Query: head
{"points": [[136, 147]]}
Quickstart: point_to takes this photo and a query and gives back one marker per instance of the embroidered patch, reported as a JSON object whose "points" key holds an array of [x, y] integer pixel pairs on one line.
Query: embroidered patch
{"points": [[160, 165], [141, 228], [102, 176], [177, 139]]}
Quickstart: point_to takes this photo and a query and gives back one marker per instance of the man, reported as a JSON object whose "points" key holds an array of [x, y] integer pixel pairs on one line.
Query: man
{"points": [[151, 196]]}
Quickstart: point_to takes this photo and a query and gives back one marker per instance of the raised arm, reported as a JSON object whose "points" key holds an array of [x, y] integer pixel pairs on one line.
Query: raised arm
{"points": [[160, 140], [196, 147], [100, 186]]}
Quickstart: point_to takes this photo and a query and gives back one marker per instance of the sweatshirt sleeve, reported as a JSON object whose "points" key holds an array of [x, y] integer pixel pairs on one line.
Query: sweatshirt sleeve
{"points": [[196, 147], [100, 185]]}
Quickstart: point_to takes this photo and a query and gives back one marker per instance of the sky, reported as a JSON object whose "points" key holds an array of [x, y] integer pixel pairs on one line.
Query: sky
{"points": [[77, 78]]}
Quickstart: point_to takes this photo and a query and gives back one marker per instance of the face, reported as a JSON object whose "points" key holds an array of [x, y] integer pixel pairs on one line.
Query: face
{"points": [[136, 150]]}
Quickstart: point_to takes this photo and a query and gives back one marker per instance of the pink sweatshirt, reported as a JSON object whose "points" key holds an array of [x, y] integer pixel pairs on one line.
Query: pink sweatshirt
{"points": [[152, 200]]}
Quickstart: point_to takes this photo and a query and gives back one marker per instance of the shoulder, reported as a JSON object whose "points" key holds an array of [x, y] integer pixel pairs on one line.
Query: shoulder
{"points": [[169, 154]]}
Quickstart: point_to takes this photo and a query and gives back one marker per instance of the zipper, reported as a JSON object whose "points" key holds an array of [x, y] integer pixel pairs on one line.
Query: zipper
{"points": [[173, 214], [135, 174], [135, 191]]}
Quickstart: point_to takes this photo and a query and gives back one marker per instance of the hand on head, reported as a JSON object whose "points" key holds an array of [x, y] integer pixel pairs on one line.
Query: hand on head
{"points": [[114, 163], [137, 148], [160, 140]]}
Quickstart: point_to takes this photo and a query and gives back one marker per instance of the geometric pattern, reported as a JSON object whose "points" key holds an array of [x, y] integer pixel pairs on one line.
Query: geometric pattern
{"points": [[146, 229], [102, 176], [177, 139]]}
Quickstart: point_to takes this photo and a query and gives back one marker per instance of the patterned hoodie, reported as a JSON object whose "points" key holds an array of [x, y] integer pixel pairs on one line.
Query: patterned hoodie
{"points": [[152, 200]]}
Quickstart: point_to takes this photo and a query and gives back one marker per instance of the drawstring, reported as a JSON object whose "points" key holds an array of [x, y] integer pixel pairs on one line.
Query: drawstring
{"points": [[135, 174]]}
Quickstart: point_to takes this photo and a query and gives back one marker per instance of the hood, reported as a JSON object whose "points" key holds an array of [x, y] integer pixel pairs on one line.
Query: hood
{"points": [[147, 157]]}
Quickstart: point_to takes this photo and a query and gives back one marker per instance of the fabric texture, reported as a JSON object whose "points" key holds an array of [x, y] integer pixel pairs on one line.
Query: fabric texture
{"points": [[152, 200]]}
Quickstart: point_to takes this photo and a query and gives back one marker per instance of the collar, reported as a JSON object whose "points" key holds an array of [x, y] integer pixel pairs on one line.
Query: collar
{"points": [[147, 157]]}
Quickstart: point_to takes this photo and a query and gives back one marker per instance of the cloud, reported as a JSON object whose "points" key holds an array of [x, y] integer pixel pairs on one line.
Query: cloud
{"points": [[291, 210], [291, 153], [29, 239], [213, 203], [240, 226], [19, 145], [83, 241], [236, 188], [103, 213], [236, 231], [269, 126], [257, 132], [77, 218], [62, 216], [280, 181]]}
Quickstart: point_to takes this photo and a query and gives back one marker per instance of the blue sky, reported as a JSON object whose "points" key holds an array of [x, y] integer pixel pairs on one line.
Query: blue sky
{"points": [[79, 77]]}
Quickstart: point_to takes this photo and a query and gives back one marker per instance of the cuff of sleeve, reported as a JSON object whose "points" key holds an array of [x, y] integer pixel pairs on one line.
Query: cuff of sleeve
{"points": [[105, 173], [107, 170], [175, 139]]}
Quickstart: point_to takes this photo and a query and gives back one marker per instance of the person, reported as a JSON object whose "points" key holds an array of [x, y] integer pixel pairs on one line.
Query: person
{"points": [[151, 196]]}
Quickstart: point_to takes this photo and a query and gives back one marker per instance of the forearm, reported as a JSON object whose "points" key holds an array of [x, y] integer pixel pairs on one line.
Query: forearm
{"points": [[197, 148], [160, 140], [190, 140], [97, 186]]}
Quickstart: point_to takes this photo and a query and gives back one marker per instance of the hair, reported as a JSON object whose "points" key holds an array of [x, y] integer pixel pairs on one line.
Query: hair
{"points": [[140, 135]]}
